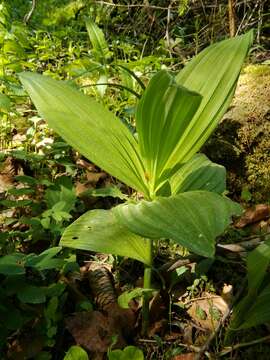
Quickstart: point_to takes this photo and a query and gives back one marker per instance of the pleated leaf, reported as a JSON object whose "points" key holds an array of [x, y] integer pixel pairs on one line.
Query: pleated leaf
{"points": [[99, 230], [163, 113], [87, 126], [214, 74], [199, 173], [193, 219]]}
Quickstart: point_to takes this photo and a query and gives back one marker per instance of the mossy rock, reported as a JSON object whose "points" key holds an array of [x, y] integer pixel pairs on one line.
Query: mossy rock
{"points": [[242, 140]]}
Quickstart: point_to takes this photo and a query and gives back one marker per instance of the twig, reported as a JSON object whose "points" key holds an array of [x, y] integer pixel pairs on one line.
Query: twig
{"points": [[242, 246], [229, 349], [28, 16], [167, 34], [190, 347], [135, 5]]}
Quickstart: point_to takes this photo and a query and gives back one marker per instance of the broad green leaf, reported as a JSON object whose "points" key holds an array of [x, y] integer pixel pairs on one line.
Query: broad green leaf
{"points": [[199, 173], [259, 312], [213, 73], [87, 126], [257, 263], [76, 353], [98, 230], [100, 46], [164, 112], [193, 219], [124, 299]]}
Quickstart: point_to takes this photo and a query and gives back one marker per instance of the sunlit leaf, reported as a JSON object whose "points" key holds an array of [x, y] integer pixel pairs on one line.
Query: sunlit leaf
{"points": [[193, 219], [124, 299], [163, 113], [75, 352], [213, 73], [87, 126], [199, 173], [98, 230]]}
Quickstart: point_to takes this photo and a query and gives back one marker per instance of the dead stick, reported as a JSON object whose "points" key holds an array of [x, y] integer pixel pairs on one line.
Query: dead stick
{"points": [[229, 349]]}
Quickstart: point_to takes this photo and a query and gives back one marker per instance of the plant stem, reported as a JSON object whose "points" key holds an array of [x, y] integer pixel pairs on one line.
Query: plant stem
{"points": [[147, 296]]}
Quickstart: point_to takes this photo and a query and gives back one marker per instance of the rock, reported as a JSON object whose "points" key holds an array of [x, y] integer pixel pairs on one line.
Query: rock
{"points": [[242, 140]]}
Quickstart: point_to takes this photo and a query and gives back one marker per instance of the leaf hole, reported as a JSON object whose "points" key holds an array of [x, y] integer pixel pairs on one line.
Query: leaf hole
{"points": [[75, 238]]}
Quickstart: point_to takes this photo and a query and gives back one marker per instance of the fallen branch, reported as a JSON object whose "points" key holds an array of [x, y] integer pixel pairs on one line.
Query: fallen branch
{"points": [[229, 349]]}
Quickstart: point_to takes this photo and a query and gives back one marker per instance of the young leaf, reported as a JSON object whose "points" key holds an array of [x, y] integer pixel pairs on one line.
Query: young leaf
{"points": [[193, 219], [76, 353], [129, 353], [124, 299], [97, 38], [87, 126], [98, 230], [163, 113]]}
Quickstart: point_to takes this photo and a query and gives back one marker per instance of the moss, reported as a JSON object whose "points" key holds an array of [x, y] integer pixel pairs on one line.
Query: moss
{"points": [[242, 140]]}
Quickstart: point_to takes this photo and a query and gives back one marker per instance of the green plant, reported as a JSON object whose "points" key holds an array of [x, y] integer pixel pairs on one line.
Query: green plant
{"points": [[182, 189], [128, 353], [30, 295], [76, 353], [256, 302]]}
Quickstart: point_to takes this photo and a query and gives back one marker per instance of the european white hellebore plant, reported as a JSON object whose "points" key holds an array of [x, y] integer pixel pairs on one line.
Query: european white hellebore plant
{"points": [[182, 190]]}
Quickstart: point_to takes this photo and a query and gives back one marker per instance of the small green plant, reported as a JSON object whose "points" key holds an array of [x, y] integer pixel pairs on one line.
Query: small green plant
{"points": [[28, 287], [182, 189], [253, 309], [128, 353], [76, 353]]}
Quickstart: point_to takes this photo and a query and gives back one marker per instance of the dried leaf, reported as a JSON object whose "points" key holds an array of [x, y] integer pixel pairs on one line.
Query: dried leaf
{"points": [[94, 331], [208, 310], [94, 177], [252, 215]]}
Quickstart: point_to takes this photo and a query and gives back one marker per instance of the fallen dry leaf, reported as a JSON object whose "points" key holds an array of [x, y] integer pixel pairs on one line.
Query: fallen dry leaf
{"points": [[253, 215], [94, 331], [158, 328], [208, 310], [94, 177], [85, 165], [80, 188]]}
